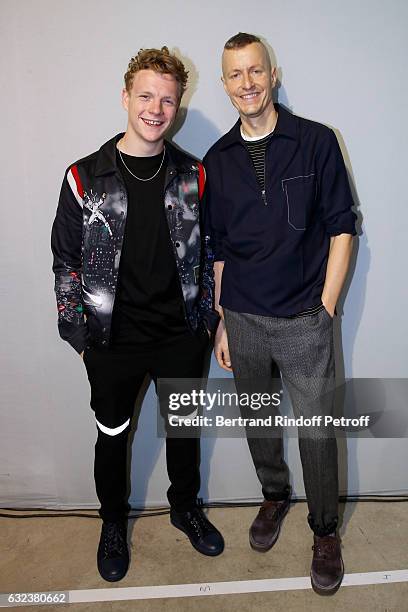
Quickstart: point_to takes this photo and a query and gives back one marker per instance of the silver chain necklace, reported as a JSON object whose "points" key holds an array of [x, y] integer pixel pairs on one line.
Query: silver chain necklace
{"points": [[138, 177]]}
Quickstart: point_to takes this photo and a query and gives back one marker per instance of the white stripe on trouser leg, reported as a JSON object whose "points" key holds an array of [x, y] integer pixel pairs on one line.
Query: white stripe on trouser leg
{"points": [[112, 431]]}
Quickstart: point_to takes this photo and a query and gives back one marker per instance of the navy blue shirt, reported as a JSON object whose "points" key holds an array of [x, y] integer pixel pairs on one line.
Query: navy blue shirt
{"points": [[276, 247]]}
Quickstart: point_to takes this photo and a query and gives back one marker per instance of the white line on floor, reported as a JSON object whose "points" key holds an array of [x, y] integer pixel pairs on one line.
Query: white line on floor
{"points": [[219, 588], [228, 588]]}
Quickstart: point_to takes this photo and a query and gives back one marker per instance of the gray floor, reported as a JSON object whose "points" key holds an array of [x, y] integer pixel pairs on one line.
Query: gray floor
{"points": [[59, 554]]}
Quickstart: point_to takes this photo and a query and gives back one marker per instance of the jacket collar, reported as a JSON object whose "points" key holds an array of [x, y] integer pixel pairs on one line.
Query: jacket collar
{"points": [[106, 160], [285, 126]]}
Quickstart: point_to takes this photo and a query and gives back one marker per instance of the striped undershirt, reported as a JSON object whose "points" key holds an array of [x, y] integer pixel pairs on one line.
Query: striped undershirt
{"points": [[257, 150]]}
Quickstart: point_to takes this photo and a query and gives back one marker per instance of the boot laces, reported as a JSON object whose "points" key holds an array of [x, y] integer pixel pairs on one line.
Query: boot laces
{"points": [[199, 522], [114, 542], [270, 509], [325, 547]]}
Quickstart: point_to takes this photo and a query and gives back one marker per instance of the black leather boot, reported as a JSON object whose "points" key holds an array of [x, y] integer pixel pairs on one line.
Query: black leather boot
{"points": [[202, 534], [113, 553]]}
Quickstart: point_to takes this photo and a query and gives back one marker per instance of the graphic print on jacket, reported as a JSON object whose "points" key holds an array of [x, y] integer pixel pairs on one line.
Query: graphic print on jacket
{"points": [[181, 206], [104, 218], [87, 239]]}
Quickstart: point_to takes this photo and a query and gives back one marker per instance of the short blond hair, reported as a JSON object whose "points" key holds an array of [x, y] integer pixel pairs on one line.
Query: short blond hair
{"points": [[159, 60]]}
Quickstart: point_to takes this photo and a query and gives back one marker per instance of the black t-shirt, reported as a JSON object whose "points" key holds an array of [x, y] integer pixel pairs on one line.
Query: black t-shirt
{"points": [[149, 302]]}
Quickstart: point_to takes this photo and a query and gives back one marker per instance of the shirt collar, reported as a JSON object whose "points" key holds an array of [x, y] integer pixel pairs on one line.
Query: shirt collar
{"points": [[285, 126]]}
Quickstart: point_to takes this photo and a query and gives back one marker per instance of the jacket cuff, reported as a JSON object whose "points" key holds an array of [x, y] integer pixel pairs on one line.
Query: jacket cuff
{"points": [[80, 339], [211, 320]]}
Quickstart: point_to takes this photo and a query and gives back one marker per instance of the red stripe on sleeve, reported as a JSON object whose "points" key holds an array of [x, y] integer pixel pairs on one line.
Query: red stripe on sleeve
{"points": [[75, 174], [201, 180]]}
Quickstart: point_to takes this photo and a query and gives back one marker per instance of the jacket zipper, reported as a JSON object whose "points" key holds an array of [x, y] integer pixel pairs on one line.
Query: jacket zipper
{"points": [[264, 189], [171, 173], [125, 197]]}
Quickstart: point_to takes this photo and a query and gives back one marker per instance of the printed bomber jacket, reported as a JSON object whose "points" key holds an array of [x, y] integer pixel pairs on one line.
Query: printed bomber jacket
{"points": [[87, 237]]}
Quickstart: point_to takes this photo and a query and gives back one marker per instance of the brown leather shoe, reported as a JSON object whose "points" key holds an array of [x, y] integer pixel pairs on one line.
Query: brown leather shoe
{"points": [[327, 565], [264, 531]]}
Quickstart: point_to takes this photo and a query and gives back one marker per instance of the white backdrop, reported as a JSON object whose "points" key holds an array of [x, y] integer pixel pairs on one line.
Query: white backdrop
{"points": [[62, 63]]}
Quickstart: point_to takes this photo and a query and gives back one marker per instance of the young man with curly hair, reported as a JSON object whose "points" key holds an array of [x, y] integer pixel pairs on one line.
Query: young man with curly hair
{"points": [[134, 286]]}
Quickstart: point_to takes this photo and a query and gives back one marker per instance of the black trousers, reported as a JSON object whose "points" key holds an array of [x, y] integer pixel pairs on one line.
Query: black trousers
{"points": [[115, 377]]}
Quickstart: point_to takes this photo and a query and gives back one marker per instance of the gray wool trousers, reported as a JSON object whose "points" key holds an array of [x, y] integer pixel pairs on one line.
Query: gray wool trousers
{"points": [[301, 349]]}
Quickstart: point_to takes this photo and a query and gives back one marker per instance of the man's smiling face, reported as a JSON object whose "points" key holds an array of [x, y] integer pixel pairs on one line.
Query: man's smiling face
{"points": [[151, 104], [249, 79]]}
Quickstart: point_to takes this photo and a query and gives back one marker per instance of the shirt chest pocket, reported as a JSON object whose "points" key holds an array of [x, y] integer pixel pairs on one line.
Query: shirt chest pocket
{"points": [[299, 196]]}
